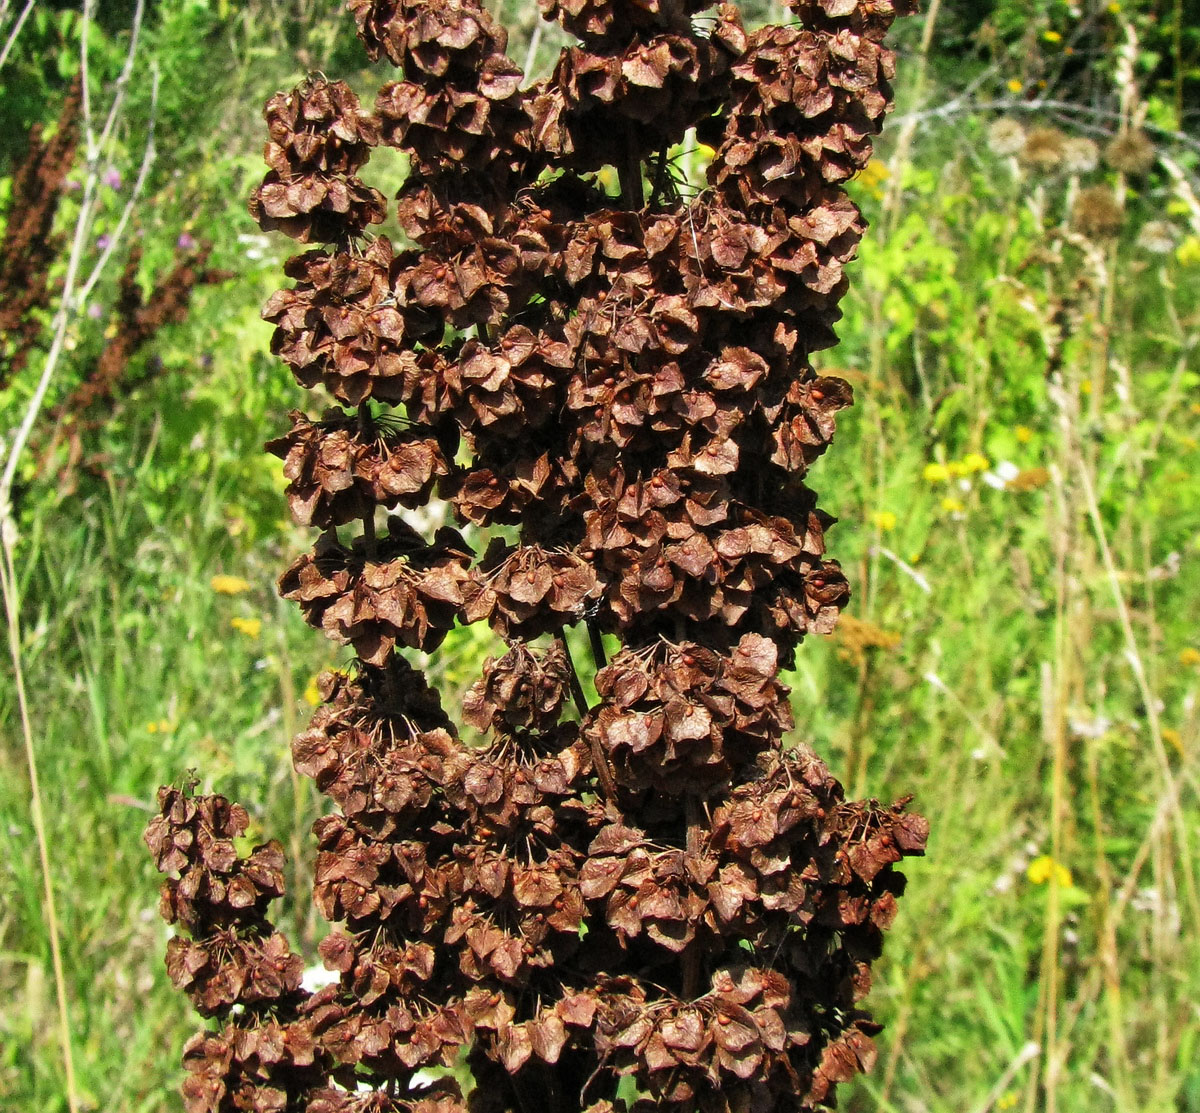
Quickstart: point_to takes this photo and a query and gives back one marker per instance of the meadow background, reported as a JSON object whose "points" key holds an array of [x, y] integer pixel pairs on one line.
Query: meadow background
{"points": [[1018, 489]]}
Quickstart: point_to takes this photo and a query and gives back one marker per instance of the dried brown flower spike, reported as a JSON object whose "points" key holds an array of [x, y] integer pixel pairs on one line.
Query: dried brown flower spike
{"points": [[647, 896], [30, 245]]}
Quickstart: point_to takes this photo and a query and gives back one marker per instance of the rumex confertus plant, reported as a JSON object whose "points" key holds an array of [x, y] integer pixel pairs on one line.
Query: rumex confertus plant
{"points": [[648, 902]]}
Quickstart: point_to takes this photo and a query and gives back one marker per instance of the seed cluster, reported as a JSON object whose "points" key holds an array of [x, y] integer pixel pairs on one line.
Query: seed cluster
{"points": [[612, 397]]}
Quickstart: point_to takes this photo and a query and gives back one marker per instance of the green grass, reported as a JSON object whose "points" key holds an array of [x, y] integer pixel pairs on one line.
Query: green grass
{"points": [[1005, 694]]}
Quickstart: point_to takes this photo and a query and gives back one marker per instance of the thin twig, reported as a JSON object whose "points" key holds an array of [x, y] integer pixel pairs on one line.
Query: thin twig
{"points": [[84, 82], [535, 40], [123, 78], [962, 104], [115, 237], [12, 38]]}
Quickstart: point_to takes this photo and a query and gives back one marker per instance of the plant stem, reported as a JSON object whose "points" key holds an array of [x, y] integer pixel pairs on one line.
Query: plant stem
{"points": [[691, 957], [630, 175], [291, 727], [12, 38], [1177, 45], [599, 757], [8, 582], [660, 176], [576, 688], [597, 642], [366, 432]]}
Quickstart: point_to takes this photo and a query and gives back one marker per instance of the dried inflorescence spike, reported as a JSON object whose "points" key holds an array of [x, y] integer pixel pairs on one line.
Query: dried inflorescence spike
{"points": [[340, 468], [634, 88], [460, 104], [319, 138], [30, 244], [523, 690], [595, 20], [680, 718], [616, 393], [233, 956], [375, 594], [139, 317]]}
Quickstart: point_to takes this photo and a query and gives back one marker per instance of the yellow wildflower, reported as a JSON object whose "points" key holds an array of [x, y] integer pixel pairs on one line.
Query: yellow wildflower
{"points": [[1007, 1100], [1052, 36], [936, 473], [874, 173], [952, 506], [1024, 434], [1188, 252], [162, 726], [229, 585], [1014, 86], [1114, 8], [975, 461], [251, 627], [884, 520], [1173, 738], [1085, 387], [1042, 869], [1189, 656], [957, 469], [312, 695]]}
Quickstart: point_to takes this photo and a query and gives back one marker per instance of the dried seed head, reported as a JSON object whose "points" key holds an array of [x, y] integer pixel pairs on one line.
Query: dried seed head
{"points": [[1097, 213], [1131, 152], [1080, 155], [1006, 136], [1044, 148]]}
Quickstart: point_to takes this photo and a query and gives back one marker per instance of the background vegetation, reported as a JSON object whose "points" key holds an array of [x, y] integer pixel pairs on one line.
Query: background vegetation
{"points": [[1019, 495]]}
